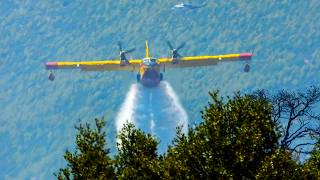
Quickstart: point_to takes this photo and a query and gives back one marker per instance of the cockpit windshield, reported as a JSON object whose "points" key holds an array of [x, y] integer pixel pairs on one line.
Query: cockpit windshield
{"points": [[149, 61]]}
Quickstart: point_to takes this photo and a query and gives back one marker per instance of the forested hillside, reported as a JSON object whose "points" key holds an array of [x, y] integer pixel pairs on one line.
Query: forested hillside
{"points": [[37, 116], [239, 138]]}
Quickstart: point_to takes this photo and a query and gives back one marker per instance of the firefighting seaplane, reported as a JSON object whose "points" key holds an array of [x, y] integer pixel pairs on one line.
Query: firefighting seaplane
{"points": [[149, 69]]}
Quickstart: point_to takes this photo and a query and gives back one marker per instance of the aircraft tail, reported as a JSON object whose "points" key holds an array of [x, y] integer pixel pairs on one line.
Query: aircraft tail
{"points": [[147, 50]]}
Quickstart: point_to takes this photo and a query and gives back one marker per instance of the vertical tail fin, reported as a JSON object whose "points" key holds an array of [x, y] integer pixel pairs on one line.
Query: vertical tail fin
{"points": [[147, 50]]}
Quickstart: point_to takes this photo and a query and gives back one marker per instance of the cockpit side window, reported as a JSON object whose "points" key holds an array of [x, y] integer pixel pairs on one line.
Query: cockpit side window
{"points": [[146, 62]]}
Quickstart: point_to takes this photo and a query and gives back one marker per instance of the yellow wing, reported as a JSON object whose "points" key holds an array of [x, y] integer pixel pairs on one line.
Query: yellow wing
{"points": [[194, 61], [103, 65]]}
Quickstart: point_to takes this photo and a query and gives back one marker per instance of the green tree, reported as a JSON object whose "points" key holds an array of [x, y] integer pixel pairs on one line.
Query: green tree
{"points": [[311, 167], [90, 159], [242, 137], [137, 155], [232, 141], [279, 165]]}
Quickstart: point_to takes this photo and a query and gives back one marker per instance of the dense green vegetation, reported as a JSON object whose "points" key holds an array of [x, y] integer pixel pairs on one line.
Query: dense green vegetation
{"points": [[37, 116], [240, 137]]}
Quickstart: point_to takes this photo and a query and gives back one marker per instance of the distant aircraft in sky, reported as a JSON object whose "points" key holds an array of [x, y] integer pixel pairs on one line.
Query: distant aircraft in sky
{"points": [[184, 8], [149, 69], [188, 6]]}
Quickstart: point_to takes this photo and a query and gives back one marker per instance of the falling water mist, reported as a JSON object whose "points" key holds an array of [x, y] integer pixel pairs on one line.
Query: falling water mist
{"points": [[126, 112], [154, 110]]}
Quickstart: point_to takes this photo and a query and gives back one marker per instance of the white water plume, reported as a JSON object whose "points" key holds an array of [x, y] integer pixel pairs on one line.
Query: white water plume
{"points": [[126, 113], [176, 106], [154, 110]]}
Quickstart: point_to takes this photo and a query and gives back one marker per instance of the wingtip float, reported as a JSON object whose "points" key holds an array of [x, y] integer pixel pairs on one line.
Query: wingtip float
{"points": [[148, 69]]}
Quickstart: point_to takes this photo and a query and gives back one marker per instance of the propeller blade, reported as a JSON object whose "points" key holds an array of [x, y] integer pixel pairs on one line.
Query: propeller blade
{"points": [[170, 45], [120, 47], [181, 46], [131, 50]]}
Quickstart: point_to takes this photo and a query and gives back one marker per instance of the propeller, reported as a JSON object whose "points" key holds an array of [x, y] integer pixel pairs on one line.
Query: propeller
{"points": [[174, 51], [124, 52]]}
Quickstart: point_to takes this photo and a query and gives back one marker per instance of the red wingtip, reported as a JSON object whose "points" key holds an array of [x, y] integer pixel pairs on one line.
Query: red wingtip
{"points": [[246, 55], [51, 65]]}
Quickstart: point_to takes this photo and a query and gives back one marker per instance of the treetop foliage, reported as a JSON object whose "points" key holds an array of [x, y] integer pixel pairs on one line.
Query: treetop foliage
{"points": [[240, 137], [242, 123], [91, 159], [137, 154]]}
